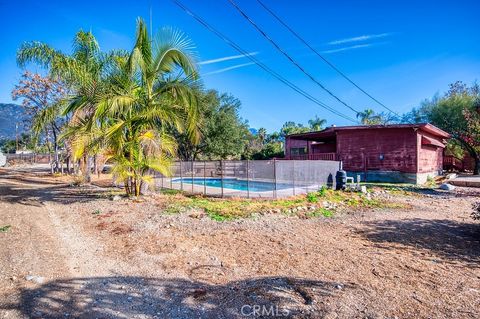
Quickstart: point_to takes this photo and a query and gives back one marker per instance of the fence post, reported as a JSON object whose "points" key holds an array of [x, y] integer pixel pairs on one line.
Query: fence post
{"points": [[192, 176], [274, 178], [293, 176], [248, 181], [204, 177], [181, 176], [221, 174]]}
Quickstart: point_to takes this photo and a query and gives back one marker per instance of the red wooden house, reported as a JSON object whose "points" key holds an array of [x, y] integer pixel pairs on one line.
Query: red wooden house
{"points": [[390, 153]]}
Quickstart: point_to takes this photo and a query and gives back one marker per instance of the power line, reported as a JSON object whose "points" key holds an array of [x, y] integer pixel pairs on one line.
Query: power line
{"points": [[266, 36], [322, 57], [262, 65]]}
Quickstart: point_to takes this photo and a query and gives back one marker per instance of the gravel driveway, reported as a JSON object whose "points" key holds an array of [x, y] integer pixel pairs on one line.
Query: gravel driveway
{"points": [[73, 252]]}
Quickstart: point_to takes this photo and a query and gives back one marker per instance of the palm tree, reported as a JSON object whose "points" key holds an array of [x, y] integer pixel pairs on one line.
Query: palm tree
{"points": [[84, 71], [317, 124], [145, 94], [262, 135], [369, 117]]}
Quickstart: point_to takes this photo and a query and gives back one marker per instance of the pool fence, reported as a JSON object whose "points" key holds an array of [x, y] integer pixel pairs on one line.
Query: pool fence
{"points": [[250, 178]]}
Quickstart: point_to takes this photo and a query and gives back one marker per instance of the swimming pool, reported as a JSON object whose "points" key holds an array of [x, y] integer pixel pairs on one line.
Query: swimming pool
{"points": [[233, 183]]}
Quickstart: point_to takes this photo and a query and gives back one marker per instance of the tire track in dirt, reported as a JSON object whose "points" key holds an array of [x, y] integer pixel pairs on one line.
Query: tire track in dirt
{"points": [[41, 246]]}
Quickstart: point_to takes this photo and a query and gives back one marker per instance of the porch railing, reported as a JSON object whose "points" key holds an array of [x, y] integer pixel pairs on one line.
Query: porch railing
{"points": [[315, 156]]}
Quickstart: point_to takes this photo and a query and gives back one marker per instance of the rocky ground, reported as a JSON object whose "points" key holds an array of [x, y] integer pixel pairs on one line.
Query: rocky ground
{"points": [[74, 252]]}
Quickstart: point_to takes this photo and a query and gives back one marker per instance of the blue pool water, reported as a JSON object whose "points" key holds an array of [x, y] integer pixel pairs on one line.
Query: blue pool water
{"points": [[233, 183]]}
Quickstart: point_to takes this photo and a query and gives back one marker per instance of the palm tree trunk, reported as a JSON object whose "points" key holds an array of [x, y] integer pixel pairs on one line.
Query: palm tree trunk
{"points": [[476, 170], [88, 169], [55, 150]]}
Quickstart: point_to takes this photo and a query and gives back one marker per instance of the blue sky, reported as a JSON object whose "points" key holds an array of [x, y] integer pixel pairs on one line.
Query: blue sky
{"points": [[399, 52]]}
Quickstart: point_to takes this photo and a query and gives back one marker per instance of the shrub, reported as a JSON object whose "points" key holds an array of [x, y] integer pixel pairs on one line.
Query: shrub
{"points": [[5, 228], [327, 213], [322, 192], [312, 198]]}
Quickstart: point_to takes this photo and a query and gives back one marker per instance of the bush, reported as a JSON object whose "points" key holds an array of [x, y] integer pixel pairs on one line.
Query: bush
{"points": [[312, 198], [476, 211], [322, 191]]}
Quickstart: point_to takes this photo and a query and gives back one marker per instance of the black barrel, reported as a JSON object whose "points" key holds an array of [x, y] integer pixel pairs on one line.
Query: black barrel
{"points": [[341, 179]]}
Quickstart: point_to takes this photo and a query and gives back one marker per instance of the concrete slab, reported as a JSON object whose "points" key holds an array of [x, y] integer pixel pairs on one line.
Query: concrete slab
{"points": [[466, 181]]}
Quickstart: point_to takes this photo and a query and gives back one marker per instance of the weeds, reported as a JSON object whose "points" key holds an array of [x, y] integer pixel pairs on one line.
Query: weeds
{"points": [[322, 192], [167, 191], [430, 182], [97, 212], [218, 216], [5, 228], [326, 213], [320, 212], [227, 209], [312, 198]]}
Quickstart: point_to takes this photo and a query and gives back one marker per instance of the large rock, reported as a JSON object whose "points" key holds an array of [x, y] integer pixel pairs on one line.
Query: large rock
{"points": [[447, 187]]}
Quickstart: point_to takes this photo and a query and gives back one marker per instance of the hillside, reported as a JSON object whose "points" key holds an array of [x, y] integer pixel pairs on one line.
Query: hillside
{"points": [[10, 114]]}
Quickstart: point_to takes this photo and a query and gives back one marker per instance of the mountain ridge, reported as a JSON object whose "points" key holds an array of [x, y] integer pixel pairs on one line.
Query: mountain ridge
{"points": [[10, 115]]}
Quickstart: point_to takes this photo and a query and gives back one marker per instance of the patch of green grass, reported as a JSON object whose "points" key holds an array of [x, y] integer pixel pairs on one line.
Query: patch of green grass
{"points": [[97, 212], [326, 213], [167, 191], [218, 217], [320, 212], [174, 209], [5, 228], [223, 209]]}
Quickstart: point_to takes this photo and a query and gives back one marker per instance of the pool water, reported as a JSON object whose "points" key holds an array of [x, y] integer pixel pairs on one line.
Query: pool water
{"points": [[233, 183]]}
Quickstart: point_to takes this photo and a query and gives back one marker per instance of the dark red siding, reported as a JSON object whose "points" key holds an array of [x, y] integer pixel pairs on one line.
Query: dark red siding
{"points": [[362, 150], [406, 148]]}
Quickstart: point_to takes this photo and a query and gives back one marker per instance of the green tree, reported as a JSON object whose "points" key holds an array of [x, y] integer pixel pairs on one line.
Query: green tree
{"points": [[41, 99], [125, 104], [291, 127], [262, 135], [317, 124], [223, 132], [369, 117], [148, 93], [84, 71], [458, 113]]}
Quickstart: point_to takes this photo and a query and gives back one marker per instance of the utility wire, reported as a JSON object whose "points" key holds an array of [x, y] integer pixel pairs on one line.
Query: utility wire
{"points": [[266, 36], [262, 65], [322, 57]]}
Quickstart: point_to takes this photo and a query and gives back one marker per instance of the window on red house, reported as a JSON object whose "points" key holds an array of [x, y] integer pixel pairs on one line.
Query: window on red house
{"points": [[298, 151]]}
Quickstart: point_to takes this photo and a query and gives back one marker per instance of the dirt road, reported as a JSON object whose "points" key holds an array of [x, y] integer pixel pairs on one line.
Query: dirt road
{"points": [[72, 252]]}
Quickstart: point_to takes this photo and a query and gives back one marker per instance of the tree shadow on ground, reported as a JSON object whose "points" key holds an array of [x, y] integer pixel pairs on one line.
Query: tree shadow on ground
{"points": [[128, 297], [447, 239], [31, 190], [439, 193]]}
